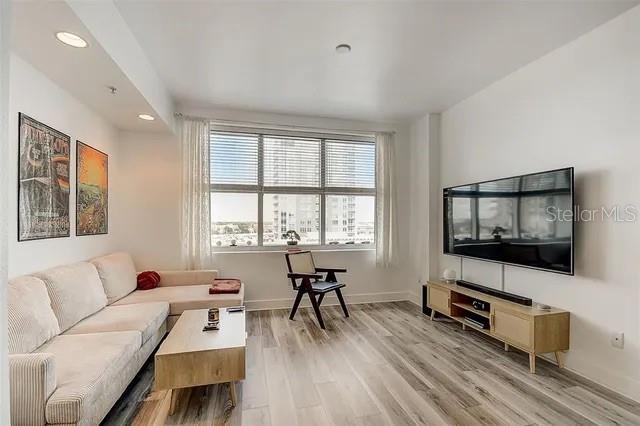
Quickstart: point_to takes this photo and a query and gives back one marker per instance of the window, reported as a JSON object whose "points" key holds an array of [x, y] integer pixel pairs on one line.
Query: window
{"points": [[234, 219], [357, 223], [265, 184], [282, 212], [291, 162], [233, 159]]}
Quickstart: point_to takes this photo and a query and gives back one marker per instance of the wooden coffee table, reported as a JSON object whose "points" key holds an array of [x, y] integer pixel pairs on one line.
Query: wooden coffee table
{"points": [[191, 357]]}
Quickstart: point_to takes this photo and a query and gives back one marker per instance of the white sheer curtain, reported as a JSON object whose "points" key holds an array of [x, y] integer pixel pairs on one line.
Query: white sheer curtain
{"points": [[195, 213], [386, 210]]}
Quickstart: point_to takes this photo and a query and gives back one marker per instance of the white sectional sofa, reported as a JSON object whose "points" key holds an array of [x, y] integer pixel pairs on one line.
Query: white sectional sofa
{"points": [[79, 333]]}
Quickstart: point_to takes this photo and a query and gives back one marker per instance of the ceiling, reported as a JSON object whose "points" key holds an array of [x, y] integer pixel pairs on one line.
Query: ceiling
{"points": [[85, 73], [408, 58]]}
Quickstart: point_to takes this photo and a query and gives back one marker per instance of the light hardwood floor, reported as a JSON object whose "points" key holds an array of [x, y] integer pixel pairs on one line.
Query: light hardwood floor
{"points": [[387, 365]]}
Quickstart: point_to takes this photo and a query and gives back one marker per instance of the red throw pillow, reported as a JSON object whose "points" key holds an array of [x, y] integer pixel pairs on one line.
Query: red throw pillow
{"points": [[148, 280]]}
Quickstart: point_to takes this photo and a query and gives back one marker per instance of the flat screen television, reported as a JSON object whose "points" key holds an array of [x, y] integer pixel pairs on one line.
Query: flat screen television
{"points": [[523, 220]]}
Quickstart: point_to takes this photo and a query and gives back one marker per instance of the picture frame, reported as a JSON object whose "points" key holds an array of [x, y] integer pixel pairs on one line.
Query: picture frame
{"points": [[92, 191], [43, 181]]}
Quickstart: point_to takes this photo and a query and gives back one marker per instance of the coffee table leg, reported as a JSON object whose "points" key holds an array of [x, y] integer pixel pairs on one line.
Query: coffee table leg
{"points": [[232, 391], [174, 401]]}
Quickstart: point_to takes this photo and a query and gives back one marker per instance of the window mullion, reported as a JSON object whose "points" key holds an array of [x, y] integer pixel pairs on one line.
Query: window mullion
{"points": [[233, 188], [323, 203], [260, 219], [350, 191], [260, 190]]}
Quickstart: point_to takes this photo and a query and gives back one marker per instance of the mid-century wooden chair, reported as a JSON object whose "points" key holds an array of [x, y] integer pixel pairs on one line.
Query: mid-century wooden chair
{"points": [[301, 267]]}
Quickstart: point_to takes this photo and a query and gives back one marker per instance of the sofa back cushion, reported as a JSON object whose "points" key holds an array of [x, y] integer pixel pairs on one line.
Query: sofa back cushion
{"points": [[118, 275], [30, 317], [75, 291], [178, 278]]}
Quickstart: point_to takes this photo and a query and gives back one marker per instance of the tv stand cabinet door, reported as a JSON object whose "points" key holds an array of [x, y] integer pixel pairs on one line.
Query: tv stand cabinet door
{"points": [[513, 327], [440, 299]]}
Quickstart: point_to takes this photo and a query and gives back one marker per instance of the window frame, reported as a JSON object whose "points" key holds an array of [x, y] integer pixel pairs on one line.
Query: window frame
{"points": [[322, 191]]}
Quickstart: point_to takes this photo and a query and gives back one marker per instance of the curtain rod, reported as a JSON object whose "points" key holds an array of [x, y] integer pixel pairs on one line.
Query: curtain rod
{"points": [[356, 132]]}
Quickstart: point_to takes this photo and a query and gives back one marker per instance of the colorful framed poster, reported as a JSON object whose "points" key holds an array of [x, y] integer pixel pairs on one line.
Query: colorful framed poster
{"points": [[43, 181], [92, 191]]}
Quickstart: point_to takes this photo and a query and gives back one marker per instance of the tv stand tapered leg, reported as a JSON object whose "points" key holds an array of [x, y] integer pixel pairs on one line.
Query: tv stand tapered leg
{"points": [[532, 363]]}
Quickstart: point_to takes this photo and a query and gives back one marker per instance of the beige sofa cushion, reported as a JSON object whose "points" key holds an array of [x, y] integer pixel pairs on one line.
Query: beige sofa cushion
{"points": [[197, 277], [87, 365], [146, 318], [182, 298], [118, 275], [31, 320], [75, 291]]}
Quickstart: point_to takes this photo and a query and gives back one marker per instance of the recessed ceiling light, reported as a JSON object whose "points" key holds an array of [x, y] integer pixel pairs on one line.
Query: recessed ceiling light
{"points": [[343, 48], [71, 39], [146, 117]]}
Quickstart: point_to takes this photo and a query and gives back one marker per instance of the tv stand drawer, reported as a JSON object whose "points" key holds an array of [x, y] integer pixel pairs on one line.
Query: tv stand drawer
{"points": [[440, 299], [513, 327]]}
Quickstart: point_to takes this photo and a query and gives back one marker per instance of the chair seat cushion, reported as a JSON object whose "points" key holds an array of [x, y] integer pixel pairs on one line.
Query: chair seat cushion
{"points": [[87, 367], [146, 318], [324, 286], [185, 297]]}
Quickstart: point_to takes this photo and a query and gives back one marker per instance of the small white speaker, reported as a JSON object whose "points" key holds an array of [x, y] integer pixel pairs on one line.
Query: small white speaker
{"points": [[449, 275]]}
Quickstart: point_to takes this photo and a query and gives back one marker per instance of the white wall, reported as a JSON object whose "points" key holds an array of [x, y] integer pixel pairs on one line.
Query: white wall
{"points": [[5, 10], [150, 170], [34, 94], [148, 224], [577, 106], [424, 190]]}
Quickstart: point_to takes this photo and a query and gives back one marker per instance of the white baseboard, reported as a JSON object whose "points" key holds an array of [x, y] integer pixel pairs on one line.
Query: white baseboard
{"points": [[258, 305], [414, 298]]}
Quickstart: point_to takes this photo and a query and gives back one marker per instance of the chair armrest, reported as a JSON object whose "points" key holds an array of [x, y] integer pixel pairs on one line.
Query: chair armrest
{"points": [[32, 379], [180, 278], [330, 269], [298, 275]]}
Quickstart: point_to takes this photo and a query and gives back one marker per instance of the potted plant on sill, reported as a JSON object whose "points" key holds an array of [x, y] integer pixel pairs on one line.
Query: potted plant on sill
{"points": [[497, 232], [292, 237]]}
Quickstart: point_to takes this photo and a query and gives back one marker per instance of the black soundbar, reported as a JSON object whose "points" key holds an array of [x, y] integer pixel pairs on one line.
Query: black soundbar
{"points": [[496, 293]]}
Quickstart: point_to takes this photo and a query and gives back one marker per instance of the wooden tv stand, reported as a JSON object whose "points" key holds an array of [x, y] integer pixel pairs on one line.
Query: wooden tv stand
{"points": [[527, 328]]}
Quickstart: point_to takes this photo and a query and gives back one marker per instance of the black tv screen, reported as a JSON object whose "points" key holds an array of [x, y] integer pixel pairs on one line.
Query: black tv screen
{"points": [[523, 220]]}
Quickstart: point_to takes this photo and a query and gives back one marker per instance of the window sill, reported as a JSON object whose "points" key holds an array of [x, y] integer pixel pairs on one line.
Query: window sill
{"points": [[283, 249]]}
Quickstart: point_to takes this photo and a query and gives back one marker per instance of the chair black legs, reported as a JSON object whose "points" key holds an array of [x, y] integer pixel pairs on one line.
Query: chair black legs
{"points": [[341, 300], [316, 304], [316, 308], [296, 303]]}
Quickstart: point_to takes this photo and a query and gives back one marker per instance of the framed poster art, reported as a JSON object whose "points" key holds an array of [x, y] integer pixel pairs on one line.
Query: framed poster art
{"points": [[92, 191], [43, 181]]}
